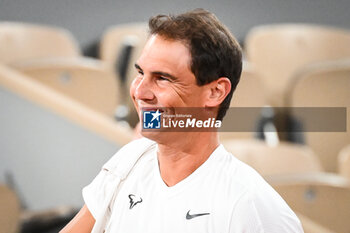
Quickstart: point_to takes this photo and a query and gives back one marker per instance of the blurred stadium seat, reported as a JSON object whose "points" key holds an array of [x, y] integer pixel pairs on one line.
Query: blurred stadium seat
{"points": [[310, 226], [63, 105], [250, 93], [344, 162], [22, 41], [323, 198], [120, 47], [88, 81], [279, 50], [284, 158], [325, 84]]}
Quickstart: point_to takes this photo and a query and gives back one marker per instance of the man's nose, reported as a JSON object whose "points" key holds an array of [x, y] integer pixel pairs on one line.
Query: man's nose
{"points": [[143, 90]]}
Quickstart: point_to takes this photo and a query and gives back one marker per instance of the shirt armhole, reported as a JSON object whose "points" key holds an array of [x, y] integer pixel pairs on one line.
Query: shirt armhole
{"points": [[94, 193]]}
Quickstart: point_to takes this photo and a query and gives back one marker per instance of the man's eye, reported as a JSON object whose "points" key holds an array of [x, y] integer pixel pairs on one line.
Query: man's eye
{"points": [[163, 78], [140, 72]]}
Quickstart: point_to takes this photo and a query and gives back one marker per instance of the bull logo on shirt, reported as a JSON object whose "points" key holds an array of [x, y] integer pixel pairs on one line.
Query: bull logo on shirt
{"points": [[134, 200]]}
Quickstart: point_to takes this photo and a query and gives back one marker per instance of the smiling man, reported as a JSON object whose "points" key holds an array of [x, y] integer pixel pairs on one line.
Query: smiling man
{"points": [[183, 181]]}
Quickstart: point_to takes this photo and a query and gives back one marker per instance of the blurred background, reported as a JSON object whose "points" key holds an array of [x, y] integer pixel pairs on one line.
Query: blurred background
{"points": [[65, 70]]}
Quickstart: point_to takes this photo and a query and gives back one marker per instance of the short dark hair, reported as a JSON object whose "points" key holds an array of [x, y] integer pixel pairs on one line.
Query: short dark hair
{"points": [[215, 52]]}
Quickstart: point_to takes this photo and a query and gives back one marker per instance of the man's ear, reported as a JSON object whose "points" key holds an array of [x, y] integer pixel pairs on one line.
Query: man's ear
{"points": [[218, 90]]}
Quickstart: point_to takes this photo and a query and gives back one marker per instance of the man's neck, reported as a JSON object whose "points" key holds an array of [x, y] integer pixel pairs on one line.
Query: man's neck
{"points": [[181, 157]]}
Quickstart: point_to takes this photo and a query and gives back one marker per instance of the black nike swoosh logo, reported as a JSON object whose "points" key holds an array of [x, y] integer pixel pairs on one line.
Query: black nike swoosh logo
{"points": [[190, 216]]}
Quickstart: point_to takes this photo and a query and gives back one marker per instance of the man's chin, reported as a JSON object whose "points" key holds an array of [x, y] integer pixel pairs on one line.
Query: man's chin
{"points": [[158, 136], [153, 135]]}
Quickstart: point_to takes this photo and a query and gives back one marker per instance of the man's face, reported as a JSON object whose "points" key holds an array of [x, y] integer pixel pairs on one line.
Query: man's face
{"points": [[165, 78]]}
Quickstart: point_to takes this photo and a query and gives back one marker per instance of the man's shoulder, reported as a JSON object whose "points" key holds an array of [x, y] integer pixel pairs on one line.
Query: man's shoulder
{"points": [[232, 175], [236, 170], [240, 176], [123, 161], [250, 195]]}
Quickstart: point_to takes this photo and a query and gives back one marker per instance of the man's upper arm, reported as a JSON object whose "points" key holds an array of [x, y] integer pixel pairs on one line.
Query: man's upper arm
{"points": [[263, 213], [83, 222]]}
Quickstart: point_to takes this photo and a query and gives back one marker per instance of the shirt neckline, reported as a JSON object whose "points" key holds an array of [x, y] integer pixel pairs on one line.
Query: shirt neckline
{"points": [[189, 180]]}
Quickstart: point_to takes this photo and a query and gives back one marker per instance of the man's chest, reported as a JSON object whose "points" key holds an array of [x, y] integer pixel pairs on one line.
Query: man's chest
{"points": [[149, 207]]}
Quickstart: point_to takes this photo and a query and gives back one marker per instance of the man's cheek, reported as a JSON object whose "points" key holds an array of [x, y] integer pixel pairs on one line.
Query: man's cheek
{"points": [[172, 98], [132, 89]]}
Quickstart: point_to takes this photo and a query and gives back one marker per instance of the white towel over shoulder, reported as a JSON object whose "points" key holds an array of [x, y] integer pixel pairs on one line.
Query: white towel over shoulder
{"points": [[109, 178]]}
